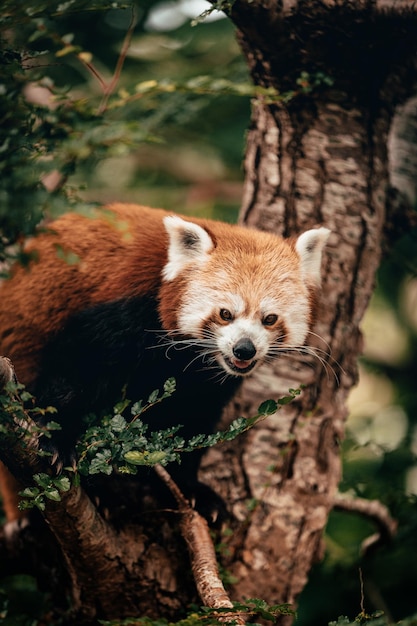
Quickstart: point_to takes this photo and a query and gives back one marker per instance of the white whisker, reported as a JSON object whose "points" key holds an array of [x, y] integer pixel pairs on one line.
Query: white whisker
{"points": [[204, 352], [322, 356], [321, 339], [200, 355], [204, 349]]}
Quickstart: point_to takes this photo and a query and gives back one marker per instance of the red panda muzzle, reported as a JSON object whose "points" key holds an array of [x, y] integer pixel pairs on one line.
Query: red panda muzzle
{"points": [[244, 352]]}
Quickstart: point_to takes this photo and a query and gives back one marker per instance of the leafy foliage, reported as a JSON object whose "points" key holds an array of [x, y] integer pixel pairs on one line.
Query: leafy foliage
{"points": [[19, 414], [252, 608], [116, 442], [43, 129], [51, 128], [378, 619], [47, 487]]}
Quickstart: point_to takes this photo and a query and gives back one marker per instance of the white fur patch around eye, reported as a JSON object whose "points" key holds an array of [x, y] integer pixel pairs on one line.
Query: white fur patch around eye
{"points": [[294, 311], [196, 307], [269, 305], [232, 301], [199, 304]]}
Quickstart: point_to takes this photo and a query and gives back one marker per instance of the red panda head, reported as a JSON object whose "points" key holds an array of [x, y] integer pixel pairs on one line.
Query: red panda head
{"points": [[242, 296]]}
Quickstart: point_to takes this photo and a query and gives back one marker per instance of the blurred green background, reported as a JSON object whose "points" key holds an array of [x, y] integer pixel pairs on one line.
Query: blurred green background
{"points": [[173, 135]]}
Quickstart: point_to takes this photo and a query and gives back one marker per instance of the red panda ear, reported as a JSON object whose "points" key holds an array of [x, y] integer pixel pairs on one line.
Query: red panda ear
{"points": [[187, 242], [310, 247]]}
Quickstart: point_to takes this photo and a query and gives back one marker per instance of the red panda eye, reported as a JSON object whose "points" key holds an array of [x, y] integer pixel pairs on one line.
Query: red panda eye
{"points": [[226, 315], [269, 320]]}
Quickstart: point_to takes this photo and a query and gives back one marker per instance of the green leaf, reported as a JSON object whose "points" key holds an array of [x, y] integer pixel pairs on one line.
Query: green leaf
{"points": [[285, 400], [43, 480], [118, 424], [121, 406], [53, 494], [40, 503], [144, 458], [100, 464], [25, 396], [137, 408], [153, 396], [127, 469], [170, 386], [268, 407], [62, 483], [29, 492]]}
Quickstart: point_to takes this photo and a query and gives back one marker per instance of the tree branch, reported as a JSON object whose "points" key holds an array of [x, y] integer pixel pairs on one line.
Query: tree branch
{"points": [[90, 547], [373, 510], [195, 532]]}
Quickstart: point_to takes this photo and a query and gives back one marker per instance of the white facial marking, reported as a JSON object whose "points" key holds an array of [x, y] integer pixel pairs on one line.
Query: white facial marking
{"points": [[243, 328], [202, 302], [242, 339], [294, 314]]}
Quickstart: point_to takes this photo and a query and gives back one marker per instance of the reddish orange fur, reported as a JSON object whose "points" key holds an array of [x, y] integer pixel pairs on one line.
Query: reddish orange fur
{"points": [[128, 262], [9, 489], [122, 251], [118, 267]]}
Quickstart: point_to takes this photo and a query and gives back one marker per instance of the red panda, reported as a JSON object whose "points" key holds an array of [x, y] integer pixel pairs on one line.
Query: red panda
{"points": [[150, 296]]}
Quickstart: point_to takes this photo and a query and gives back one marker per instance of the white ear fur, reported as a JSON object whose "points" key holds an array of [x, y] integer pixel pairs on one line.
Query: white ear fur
{"points": [[310, 247], [187, 243]]}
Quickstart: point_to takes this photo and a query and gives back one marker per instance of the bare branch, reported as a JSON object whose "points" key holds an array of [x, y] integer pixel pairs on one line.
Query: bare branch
{"points": [[373, 510], [195, 532]]}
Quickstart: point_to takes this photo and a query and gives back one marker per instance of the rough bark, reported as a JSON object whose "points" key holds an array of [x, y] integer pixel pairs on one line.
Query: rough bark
{"points": [[323, 158]]}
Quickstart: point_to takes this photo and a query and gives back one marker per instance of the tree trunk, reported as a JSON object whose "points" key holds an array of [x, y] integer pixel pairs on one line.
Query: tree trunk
{"points": [[323, 158]]}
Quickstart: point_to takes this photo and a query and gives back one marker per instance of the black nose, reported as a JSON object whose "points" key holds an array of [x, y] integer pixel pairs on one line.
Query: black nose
{"points": [[244, 349]]}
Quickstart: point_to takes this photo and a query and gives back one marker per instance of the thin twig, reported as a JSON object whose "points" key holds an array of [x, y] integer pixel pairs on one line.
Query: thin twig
{"points": [[90, 67], [362, 592], [109, 88]]}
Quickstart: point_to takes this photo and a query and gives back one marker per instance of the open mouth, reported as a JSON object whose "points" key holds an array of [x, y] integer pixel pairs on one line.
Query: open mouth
{"points": [[240, 366]]}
